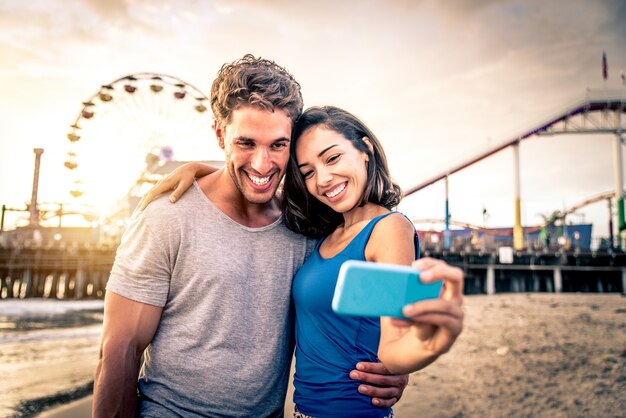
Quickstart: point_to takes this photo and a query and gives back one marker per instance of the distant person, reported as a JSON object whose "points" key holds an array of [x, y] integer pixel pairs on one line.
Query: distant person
{"points": [[203, 288], [338, 188]]}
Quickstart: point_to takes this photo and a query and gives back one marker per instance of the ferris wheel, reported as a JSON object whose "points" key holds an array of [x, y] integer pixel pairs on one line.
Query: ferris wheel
{"points": [[130, 124]]}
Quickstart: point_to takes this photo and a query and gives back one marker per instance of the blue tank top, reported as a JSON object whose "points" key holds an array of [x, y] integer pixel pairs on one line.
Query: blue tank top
{"points": [[328, 346]]}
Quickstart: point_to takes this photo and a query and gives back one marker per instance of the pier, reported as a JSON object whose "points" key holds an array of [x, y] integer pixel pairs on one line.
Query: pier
{"points": [[489, 273], [55, 271]]}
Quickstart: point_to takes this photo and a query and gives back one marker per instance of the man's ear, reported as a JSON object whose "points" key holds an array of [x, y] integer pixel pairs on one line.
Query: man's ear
{"points": [[219, 133]]}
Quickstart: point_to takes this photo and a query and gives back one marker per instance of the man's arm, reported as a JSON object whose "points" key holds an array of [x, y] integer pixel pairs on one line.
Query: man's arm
{"points": [[128, 328], [384, 388]]}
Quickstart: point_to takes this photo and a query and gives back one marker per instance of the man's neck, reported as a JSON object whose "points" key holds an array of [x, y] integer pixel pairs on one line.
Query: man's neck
{"points": [[222, 192]]}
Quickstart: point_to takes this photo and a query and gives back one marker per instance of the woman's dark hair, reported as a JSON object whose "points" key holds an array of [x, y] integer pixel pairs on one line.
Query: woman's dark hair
{"points": [[305, 214]]}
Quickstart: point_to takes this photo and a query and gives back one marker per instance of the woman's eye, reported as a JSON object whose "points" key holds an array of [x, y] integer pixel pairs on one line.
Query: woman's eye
{"points": [[333, 158], [307, 174]]}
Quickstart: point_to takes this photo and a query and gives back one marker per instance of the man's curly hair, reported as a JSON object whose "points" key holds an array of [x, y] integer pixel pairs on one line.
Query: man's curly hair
{"points": [[257, 82]]}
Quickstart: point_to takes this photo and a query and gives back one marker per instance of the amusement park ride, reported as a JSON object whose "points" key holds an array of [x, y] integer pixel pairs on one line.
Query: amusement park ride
{"points": [[600, 112], [131, 128]]}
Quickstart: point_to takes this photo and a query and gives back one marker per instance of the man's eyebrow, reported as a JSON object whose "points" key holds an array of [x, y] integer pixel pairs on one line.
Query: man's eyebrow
{"points": [[245, 138], [320, 154]]}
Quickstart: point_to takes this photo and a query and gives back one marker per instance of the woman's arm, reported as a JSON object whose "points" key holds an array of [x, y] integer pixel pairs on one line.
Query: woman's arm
{"points": [[407, 346], [178, 180]]}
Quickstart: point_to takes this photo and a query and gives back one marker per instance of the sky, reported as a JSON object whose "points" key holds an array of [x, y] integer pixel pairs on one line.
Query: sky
{"points": [[437, 82]]}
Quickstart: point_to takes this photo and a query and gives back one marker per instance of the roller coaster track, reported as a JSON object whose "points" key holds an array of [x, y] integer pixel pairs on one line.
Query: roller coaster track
{"points": [[600, 113]]}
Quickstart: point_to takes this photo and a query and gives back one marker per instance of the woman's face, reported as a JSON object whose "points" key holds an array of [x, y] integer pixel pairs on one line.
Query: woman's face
{"points": [[334, 171]]}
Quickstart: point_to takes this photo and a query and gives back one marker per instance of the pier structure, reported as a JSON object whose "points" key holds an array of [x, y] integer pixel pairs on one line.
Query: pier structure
{"points": [[81, 271], [55, 271], [529, 271], [599, 113]]}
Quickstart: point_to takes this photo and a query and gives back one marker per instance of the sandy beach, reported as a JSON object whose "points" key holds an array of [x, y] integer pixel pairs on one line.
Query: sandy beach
{"points": [[520, 355], [529, 355]]}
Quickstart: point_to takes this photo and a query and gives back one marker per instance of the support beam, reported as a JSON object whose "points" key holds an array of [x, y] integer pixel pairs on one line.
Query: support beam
{"points": [[34, 213], [558, 280], [618, 178], [446, 234], [518, 232], [491, 280], [611, 236]]}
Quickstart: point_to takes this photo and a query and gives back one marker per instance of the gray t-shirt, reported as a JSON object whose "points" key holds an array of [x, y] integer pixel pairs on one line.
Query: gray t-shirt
{"points": [[222, 347]]}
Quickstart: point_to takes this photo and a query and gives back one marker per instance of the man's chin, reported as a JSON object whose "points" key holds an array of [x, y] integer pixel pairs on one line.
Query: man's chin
{"points": [[260, 198]]}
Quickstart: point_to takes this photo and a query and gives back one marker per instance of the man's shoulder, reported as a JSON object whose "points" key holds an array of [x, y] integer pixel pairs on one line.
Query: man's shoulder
{"points": [[161, 208]]}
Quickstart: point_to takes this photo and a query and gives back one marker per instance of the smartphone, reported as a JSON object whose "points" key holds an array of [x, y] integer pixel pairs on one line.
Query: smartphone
{"points": [[377, 289]]}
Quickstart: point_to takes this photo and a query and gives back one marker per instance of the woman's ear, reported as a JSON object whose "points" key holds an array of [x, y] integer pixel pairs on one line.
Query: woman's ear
{"points": [[368, 143]]}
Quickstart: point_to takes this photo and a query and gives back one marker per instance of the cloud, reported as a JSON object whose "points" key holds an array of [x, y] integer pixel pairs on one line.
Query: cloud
{"points": [[110, 10], [436, 81]]}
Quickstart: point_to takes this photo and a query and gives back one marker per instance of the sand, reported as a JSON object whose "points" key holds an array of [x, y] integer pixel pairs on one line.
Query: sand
{"points": [[529, 355], [520, 355]]}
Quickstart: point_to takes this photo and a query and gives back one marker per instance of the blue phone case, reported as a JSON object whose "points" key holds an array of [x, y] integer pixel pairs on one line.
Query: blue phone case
{"points": [[378, 289]]}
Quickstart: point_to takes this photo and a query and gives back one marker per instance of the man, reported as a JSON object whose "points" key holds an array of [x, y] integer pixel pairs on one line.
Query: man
{"points": [[204, 286]]}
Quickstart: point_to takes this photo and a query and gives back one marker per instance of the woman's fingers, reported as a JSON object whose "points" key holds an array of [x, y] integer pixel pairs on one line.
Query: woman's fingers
{"points": [[453, 277], [438, 323], [157, 190], [182, 185], [429, 306], [453, 324]]}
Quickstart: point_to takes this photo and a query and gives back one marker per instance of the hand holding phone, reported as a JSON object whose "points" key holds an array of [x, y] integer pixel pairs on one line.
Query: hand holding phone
{"points": [[378, 289]]}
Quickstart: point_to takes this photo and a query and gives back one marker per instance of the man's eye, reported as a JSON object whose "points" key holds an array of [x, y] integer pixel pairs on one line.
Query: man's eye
{"points": [[280, 145]]}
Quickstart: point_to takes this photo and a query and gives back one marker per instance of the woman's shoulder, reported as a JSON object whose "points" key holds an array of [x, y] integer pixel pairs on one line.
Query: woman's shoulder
{"points": [[392, 240], [394, 222], [392, 234]]}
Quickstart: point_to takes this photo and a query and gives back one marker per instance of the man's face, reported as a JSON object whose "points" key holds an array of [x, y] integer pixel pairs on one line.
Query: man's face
{"points": [[256, 143]]}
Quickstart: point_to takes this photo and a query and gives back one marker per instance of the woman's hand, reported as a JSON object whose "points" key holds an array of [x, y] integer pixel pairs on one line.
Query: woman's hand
{"points": [[178, 180], [432, 326], [437, 322]]}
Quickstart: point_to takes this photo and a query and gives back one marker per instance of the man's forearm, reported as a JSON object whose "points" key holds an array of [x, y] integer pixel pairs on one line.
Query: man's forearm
{"points": [[115, 384]]}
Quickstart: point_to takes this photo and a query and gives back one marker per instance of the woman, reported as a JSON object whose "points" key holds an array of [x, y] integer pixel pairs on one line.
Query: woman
{"points": [[338, 188]]}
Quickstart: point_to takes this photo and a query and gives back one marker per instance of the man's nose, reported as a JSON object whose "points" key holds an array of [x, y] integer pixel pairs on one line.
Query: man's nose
{"points": [[261, 160]]}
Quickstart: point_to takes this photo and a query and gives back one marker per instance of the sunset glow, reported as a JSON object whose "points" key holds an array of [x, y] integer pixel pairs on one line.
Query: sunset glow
{"points": [[436, 81]]}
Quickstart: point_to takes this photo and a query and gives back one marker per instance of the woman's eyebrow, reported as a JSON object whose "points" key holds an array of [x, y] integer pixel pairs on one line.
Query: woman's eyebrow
{"points": [[320, 154]]}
